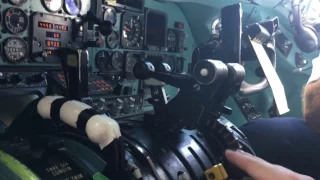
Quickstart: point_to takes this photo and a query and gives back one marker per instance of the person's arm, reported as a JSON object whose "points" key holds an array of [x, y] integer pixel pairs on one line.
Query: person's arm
{"points": [[259, 169]]}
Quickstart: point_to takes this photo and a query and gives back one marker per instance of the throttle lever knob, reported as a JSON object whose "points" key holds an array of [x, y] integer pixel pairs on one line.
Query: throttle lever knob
{"points": [[208, 71], [142, 70]]}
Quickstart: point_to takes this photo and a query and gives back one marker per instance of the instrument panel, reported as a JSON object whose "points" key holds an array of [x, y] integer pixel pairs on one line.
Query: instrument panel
{"points": [[33, 30]]}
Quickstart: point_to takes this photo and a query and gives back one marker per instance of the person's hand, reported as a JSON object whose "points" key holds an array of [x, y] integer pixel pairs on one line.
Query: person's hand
{"points": [[259, 169]]}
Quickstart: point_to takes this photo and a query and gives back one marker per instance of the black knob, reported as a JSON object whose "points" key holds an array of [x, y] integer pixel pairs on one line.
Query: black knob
{"points": [[106, 28], [142, 70], [15, 78], [37, 78], [226, 110]]}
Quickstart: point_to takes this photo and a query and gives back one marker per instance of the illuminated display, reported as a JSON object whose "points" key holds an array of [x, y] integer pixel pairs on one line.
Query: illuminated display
{"points": [[53, 35], [61, 27], [45, 25], [50, 43], [49, 52]]}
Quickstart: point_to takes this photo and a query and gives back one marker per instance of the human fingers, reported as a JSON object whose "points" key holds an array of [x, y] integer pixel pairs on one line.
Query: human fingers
{"points": [[259, 169]]}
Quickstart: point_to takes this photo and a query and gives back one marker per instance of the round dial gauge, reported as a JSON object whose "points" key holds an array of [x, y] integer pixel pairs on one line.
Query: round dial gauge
{"points": [[17, 2], [179, 65], [16, 20], [73, 7], [52, 5], [170, 60], [132, 31], [117, 60], [15, 49], [172, 41], [110, 15], [102, 60], [131, 60], [216, 27], [113, 40]]}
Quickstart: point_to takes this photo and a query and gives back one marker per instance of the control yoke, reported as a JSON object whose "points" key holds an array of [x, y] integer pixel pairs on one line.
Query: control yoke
{"points": [[200, 97]]}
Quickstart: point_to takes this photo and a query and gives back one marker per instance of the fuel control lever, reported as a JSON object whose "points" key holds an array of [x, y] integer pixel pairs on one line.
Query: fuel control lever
{"points": [[200, 94]]}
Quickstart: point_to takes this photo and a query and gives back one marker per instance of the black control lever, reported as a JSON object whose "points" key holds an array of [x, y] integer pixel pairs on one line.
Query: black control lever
{"points": [[75, 68], [146, 70], [105, 26], [204, 92]]}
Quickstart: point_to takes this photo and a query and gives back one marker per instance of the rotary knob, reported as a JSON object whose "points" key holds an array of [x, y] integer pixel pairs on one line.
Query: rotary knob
{"points": [[101, 103], [15, 78], [116, 108], [129, 105]]}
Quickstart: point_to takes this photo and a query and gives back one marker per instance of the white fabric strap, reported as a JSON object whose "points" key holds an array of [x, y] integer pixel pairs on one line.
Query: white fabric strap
{"points": [[272, 77]]}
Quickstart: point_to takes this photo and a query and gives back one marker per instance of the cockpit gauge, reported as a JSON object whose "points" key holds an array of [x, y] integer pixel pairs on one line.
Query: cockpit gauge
{"points": [[15, 49], [172, 40], [131, 32], [16, 20], [117, 60], [171, 61], [110, 15], [179, 65], [216, 27], [102, 60], [113, 40], [17, 2], [52, 5], [73, 7], [131, 60]]}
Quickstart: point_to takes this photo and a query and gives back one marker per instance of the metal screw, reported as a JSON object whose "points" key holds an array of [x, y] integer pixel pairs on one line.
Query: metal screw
{"points": [[212, 176]]}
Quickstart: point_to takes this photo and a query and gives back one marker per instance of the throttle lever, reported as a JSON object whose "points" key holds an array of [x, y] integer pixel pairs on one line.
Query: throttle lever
{"points": [[75, 67], [146, 70]]}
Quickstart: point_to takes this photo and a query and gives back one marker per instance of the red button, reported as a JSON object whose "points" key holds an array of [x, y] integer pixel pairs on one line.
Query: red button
{"points": [[102, 89], [98, 85]]}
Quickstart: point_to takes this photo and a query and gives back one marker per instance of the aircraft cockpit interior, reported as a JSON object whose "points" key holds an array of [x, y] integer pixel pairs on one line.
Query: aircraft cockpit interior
{"points": [[149, 89]]}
